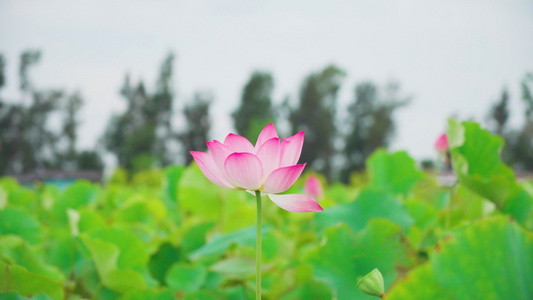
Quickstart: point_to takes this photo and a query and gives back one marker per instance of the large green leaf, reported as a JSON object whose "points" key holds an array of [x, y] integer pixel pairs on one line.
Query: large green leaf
{"points": [[423, 213], [17, 296], [491, 259], [519, 204], [15, 249], [21, 196], [476, 160], [161, 261], [145, 210], [106, 256], [395, 173], [219, 243], [17, 221], [19, 279], [132, 253], [198, 196], [186, 278], [149, 295], [173, 175], [235, 267], [79, 194], [238, 210], [344, 257], [195, 237], [369, 204], [13, 194], [419, 284], [310, 290], [64, 253]]}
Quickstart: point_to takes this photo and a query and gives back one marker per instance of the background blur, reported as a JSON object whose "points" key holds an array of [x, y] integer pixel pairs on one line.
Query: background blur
{"points": [[139, 84]]}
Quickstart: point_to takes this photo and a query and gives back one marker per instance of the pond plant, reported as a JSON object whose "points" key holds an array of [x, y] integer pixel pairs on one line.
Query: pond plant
{"points": [[267, 168]]}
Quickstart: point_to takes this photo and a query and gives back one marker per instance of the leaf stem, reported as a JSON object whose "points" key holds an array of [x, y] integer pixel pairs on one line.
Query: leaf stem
{"points": [[258, 249]]}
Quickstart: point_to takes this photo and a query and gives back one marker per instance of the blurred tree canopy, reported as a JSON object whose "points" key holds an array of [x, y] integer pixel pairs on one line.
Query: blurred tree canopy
{"points": [[143, 136], [139, 137], [255, 110], [500, 113], [371, 123], [197, 126], [521, 140], [518, 149], [315, 114], [27, 143]]}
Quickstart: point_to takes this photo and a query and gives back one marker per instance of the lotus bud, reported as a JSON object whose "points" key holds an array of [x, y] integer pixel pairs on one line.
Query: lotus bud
{"points": [[372, 284]]}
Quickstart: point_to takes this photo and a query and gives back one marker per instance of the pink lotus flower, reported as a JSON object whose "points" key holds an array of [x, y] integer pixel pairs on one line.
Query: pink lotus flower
{"points": [[441, 145], [270, 167], [313, 187]]}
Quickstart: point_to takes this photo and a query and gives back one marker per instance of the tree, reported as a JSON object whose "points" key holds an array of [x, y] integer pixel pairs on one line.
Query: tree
{"points": [[198, 125], [27, 59], [521, 141], [70, 125], [163, 102], [255, 110], [2, 71], [89, 161], [139, 136], [130, 135], [371, 123], [27, 143], [315, 114], [500, 113]]}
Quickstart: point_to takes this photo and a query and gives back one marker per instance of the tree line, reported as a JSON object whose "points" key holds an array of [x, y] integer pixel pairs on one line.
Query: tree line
{"points": [[145, 134], [518, 150], [27, 143]]}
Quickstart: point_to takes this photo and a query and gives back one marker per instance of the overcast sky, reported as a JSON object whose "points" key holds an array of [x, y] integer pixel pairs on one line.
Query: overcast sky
{"points": [[453, 57]]}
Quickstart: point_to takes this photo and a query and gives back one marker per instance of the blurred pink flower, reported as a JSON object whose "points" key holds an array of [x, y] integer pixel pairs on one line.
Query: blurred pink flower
{"points": [[313, 187], [269, 166], [441, 145]]}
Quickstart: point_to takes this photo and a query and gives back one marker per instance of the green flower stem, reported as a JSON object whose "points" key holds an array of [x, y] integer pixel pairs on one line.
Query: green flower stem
{"points": [[258, 249], [449, 206]]}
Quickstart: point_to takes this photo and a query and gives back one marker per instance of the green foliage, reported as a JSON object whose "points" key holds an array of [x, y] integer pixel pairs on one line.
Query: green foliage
{"points": [[395, 173], [310, 290], [109, 258], [369, 204], [476, 160], [19, 222], [220, 243], [345, 257], [491, 259], [172, 234], [186, 278], [26, 283]]}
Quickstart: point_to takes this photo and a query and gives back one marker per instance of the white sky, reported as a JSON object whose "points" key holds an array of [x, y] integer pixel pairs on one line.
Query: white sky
{"points": [[453, 57]]}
